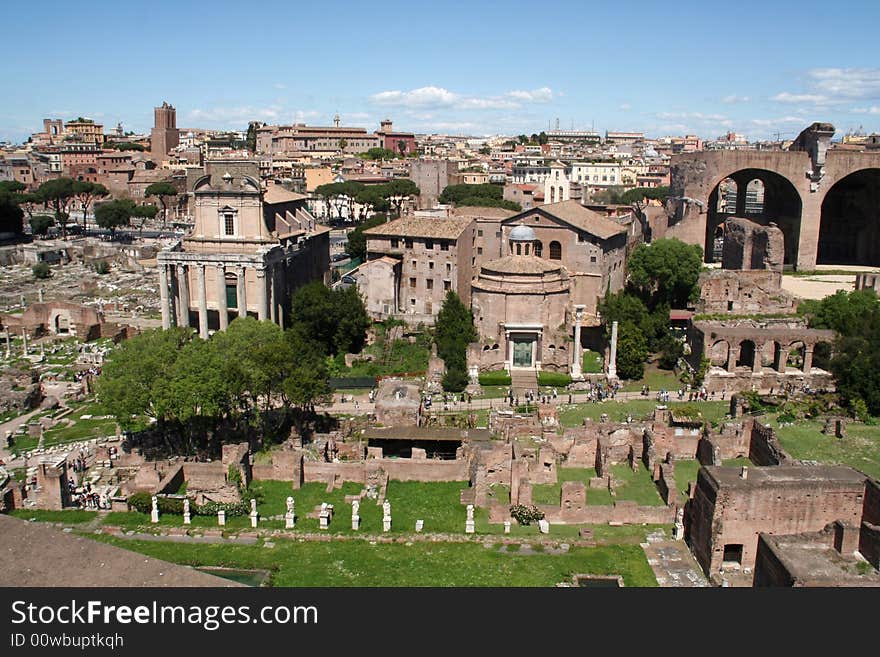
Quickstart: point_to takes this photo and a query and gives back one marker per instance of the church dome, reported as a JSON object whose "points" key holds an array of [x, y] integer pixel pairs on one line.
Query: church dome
{"points": [[522, 234]]}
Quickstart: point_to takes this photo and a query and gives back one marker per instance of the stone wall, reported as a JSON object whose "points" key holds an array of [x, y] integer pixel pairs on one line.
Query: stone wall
{"points": [[764, 448]]}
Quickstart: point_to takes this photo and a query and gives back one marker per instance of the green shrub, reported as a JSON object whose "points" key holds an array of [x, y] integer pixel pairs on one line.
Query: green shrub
{"points": [[495, 378], [455, 380], [526, 515], [554, 379], [102, 267], [41, 270], [143, 502]]}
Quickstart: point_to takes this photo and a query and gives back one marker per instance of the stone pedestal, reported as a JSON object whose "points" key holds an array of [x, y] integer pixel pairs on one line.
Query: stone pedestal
{"points": [[187, 519], [355, 523], [469, 523], [221, 517], [420, 524], [154, 513], [289, 516], [386, 524], [507, 526], [544, 526]]}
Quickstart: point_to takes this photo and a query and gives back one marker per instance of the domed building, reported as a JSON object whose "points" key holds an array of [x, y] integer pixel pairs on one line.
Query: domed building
{"points": [[515, 297]]}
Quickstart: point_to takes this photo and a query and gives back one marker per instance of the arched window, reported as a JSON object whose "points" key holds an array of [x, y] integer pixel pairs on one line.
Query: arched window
{"points": [[539, 248], [555, 250], [552, 194]]}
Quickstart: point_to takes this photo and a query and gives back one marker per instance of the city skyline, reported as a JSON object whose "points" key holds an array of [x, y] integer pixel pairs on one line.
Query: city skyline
{"points": [[460, 69]]}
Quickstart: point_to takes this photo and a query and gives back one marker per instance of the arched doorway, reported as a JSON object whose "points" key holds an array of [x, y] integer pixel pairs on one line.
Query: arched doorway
{"points": [[849, 229], [759, 195], [746, 354], [718, 354]]}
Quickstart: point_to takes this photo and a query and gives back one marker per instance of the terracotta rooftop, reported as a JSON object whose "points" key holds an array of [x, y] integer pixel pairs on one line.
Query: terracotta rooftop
{"points": [[450, 228], [572, 212], [521, 264], [278, 194], [482, 213], [36, 554]]}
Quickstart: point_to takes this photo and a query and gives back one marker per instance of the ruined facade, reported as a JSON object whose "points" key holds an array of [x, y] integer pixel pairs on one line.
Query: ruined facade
{"points": [[823, 199], [249, 249]]}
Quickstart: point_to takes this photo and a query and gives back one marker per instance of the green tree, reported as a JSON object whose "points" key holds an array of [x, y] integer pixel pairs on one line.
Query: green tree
{"points": [[335, 319], [41, 270], [343, 144], [11, 215], [114, 214], [485, 150], [87, 192], [632, 351], [307, 380], [251, 139], [57, 194], [357, 240], [397, 191], [453, 332], [131, 371], [640, 194], [401, 146], [665, 272], [163, 190], [41, 223], [379, 154]]}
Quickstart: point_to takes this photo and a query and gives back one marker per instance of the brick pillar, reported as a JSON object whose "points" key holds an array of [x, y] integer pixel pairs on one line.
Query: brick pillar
{"points": [[732, 356]]}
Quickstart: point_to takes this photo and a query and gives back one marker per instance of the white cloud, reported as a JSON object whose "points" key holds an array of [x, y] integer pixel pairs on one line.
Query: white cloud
{"points": [[814, 99], [733, 99], [766, 123], [873, 109], [847, 82], [431, 97], [237, 114], [625, 107], [699, 116], [542, 95]]}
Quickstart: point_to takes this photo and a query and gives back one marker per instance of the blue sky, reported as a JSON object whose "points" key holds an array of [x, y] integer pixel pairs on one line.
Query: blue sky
{"points": [[758, 68]]}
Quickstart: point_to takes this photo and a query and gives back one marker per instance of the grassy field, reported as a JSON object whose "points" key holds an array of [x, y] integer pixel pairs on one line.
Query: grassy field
{"points": [[358, 563], [655, 379], [573, 415], [860, 449], [685, 471], [635, 486], [550, 493], [593, 362], [70, 516]]}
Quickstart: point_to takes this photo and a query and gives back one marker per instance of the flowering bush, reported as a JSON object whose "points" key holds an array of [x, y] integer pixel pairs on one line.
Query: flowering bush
{"points": [[526, 515]]}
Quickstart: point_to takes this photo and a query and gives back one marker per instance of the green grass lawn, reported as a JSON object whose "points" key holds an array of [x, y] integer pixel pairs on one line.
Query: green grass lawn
{"points": [[572, 415], [592, 363], [70, 516], [860, 449], [357, 563], [655, 379], [551, 493], [685, 470], [635, 486], [402, 356]]}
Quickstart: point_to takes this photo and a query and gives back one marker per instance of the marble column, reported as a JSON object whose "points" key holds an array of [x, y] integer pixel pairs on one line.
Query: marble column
{"points": [[781, 357], [612, 357], [182, 296], [203, 301], [163, 297], [270, 278], [241, 292], [576, 357], [24, 349], [509, 348], [262, 299], [222, 310]]}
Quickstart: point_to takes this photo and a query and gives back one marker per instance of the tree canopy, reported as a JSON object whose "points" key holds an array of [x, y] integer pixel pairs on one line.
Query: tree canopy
{"points": [[336, 320], [453, 332], [855, 364], [357, 240], [486, 195], [665, 272]]}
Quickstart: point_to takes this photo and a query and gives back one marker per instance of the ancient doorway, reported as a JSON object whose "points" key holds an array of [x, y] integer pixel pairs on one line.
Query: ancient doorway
{"points": [[522, 352]]}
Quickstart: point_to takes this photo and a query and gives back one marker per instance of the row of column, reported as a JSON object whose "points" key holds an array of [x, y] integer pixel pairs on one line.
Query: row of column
{"points": [[780, 359], [178, 278]]}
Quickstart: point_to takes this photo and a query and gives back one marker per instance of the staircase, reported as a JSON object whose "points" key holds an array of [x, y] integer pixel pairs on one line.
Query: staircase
{"points": [[522, 380]]}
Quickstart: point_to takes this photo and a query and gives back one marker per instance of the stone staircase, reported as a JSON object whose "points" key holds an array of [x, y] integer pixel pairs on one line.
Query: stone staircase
{"points": [[522, 380]]}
